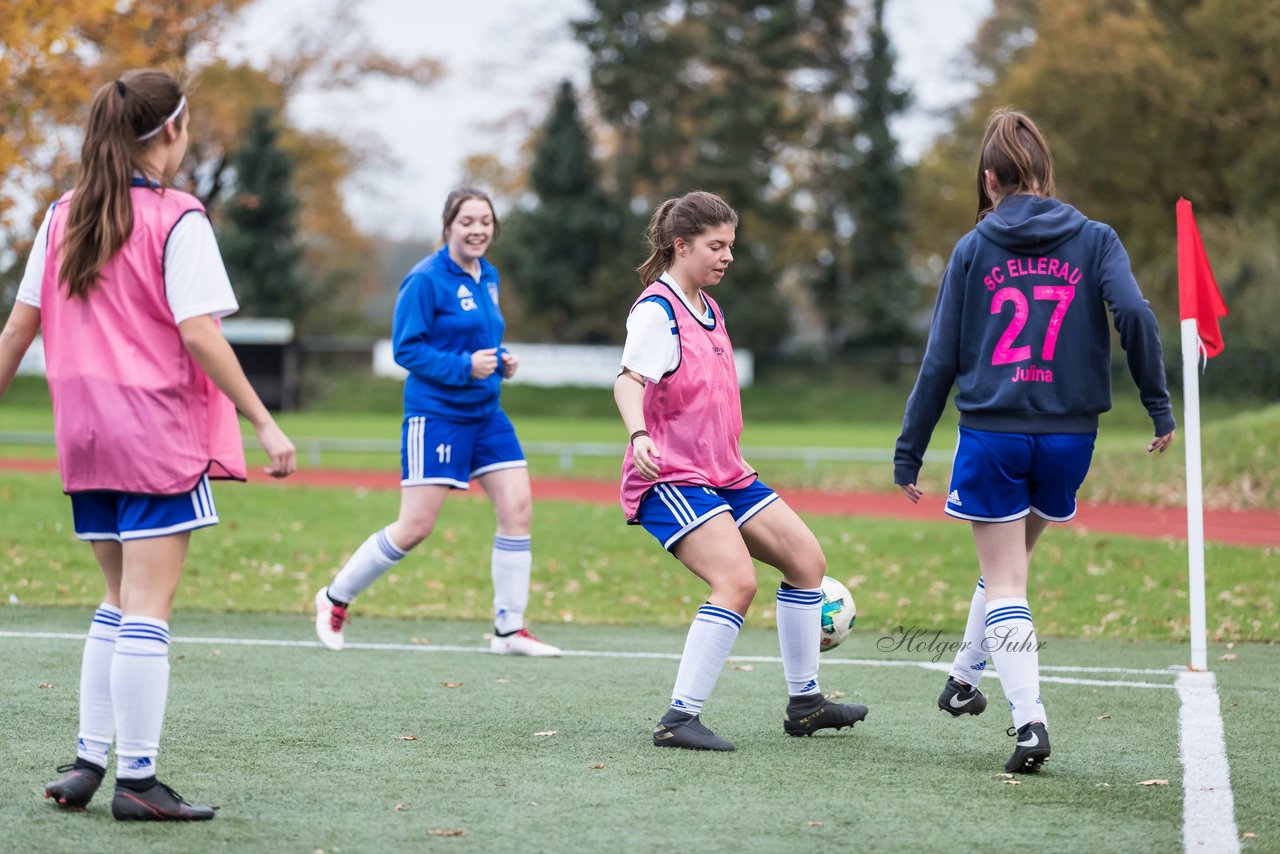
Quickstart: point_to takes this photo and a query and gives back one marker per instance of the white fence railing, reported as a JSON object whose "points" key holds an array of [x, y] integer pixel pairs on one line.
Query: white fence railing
{"points": [[313, 450]]}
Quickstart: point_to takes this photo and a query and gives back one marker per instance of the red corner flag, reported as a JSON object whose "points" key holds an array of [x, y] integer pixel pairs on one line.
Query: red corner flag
{"points": [[1198, 294]]}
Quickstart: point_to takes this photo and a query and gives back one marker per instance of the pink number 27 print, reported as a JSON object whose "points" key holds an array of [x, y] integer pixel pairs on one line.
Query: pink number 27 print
{"points": [[1005, 353]]}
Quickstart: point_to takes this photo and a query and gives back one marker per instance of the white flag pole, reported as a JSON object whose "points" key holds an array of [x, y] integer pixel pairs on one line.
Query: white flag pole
{"points": [[1195, 498]]}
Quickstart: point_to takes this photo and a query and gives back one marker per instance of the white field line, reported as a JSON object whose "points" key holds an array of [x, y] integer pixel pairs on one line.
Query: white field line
{"points": [[1208, 806], [661, 656]]}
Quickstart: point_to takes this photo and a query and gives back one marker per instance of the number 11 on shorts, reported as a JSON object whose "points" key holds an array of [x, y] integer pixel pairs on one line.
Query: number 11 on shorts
{"points": [[444, 452]]}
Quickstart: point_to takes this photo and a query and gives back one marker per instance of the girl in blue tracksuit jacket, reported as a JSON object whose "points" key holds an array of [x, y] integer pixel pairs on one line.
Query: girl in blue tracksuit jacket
{"points": [[1021, 329], [447, 333]]}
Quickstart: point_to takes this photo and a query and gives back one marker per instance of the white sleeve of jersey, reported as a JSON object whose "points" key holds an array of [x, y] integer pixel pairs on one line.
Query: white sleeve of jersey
{"points": [[29, 289], [653, 345], [195, 279]]}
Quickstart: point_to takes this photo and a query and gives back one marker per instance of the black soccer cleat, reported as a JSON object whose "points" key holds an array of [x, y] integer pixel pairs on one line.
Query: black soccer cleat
{"points": [[958, 699], [1032, 749], [151, 800], [679, 729], [809, 713], [77, 786]]}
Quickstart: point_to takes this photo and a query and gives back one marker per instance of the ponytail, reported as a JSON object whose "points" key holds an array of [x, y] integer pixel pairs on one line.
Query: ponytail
{"points": [[123, 120], [1017, 154], [683, 217]]}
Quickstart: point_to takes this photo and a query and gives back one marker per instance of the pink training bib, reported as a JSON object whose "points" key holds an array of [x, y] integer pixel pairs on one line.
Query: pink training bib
{"points": [[693, 414], [132, 410]]}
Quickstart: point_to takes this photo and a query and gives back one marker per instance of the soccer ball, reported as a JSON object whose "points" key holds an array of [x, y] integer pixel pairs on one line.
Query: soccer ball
{"points": [[838, 613]]}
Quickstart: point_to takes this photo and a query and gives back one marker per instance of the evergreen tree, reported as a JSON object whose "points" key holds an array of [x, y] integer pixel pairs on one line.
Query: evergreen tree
{"points": [[259, 238], [550, 251], [881, 290]]}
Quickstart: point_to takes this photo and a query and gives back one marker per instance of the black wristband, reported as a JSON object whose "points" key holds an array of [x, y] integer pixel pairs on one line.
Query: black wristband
{"points": [[637, 435]]}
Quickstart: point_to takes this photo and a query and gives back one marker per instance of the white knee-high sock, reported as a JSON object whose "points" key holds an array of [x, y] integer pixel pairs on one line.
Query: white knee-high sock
{"points": [[97, 719], [139, 690], [971, 658], [706, 648], [1011, 640], [799, 636], [511, 567], [374, 557]]}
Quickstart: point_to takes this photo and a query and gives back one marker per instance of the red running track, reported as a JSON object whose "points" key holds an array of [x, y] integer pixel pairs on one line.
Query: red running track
{"points": [[1238, 527]]}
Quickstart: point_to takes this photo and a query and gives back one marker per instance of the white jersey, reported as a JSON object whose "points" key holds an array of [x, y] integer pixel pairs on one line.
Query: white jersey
{"points": [[652, 349], [195, 279]]}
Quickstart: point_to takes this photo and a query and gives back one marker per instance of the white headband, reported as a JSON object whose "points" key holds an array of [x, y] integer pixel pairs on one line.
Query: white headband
{"points": [[182, 103]]}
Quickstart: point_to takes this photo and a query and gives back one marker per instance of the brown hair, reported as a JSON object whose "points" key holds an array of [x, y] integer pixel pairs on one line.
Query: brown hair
{"points": [[1018, 156], [454, 203], [685, 217], [101, 214]]}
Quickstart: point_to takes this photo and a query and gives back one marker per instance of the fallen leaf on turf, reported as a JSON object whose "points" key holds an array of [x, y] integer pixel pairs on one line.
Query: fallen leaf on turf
{"points": [[401, 807], [1104, 717], [1231, 656], [180, 657], [814, 823], [597, 766], [1002, 777], [533, 803], [46, 685], [546, 732], [503, 681], [1103, 786], [1154, 783], [420, 640], [440, 831], [407, 737], [1248, 836], [834, 695], [451, 684], [1013, 782], [215, 653], [746, 667]]}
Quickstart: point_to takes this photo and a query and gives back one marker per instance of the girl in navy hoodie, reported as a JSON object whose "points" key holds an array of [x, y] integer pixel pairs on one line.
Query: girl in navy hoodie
{"points": [[1021, 329]]}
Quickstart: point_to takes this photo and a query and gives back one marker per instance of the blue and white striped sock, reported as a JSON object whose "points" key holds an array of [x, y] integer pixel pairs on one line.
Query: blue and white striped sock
{"points": [[971, 658], [374, 557], [706, 648], [511, 567], [1011, 641], [139, 690], [97, 720], [799, 635]]}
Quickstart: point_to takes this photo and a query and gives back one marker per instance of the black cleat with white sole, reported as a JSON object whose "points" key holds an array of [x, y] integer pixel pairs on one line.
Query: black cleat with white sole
{"points": [[151, 800], [1031, 751], [77, 785], [808, 713], [680, 729], [958, 699]]}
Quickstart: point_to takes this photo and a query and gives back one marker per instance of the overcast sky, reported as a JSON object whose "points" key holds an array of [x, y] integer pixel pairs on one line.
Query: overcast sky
{"points": [[504, 59]]}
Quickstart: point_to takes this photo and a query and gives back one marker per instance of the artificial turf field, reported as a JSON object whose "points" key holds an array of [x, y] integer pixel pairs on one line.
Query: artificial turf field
{"points": [[392, 746], [388, 747]]}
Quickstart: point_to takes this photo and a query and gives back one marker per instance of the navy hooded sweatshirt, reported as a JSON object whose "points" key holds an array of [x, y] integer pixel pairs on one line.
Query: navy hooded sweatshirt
{"points": [[1020, 327]]}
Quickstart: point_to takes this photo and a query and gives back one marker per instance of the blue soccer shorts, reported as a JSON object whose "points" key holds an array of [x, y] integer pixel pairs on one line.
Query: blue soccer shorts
{"points": [[669, 511], [121, 516], [434, 451], [999, 477]]}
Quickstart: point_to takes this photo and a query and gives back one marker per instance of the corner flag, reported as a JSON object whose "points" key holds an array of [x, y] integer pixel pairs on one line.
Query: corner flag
{"points": [[1198, 295], [1200, 306]]}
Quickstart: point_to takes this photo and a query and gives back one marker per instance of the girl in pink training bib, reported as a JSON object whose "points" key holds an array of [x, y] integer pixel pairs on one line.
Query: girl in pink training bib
{"points": [[126, 282], [684, 479]]}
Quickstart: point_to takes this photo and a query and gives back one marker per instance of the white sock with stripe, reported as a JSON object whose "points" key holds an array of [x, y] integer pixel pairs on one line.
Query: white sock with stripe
{"points": [[971, 658], [97, 719], [374, 557], [706, 648], [139, 690], [511, 568], [1011, 639], [799, 635]]}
